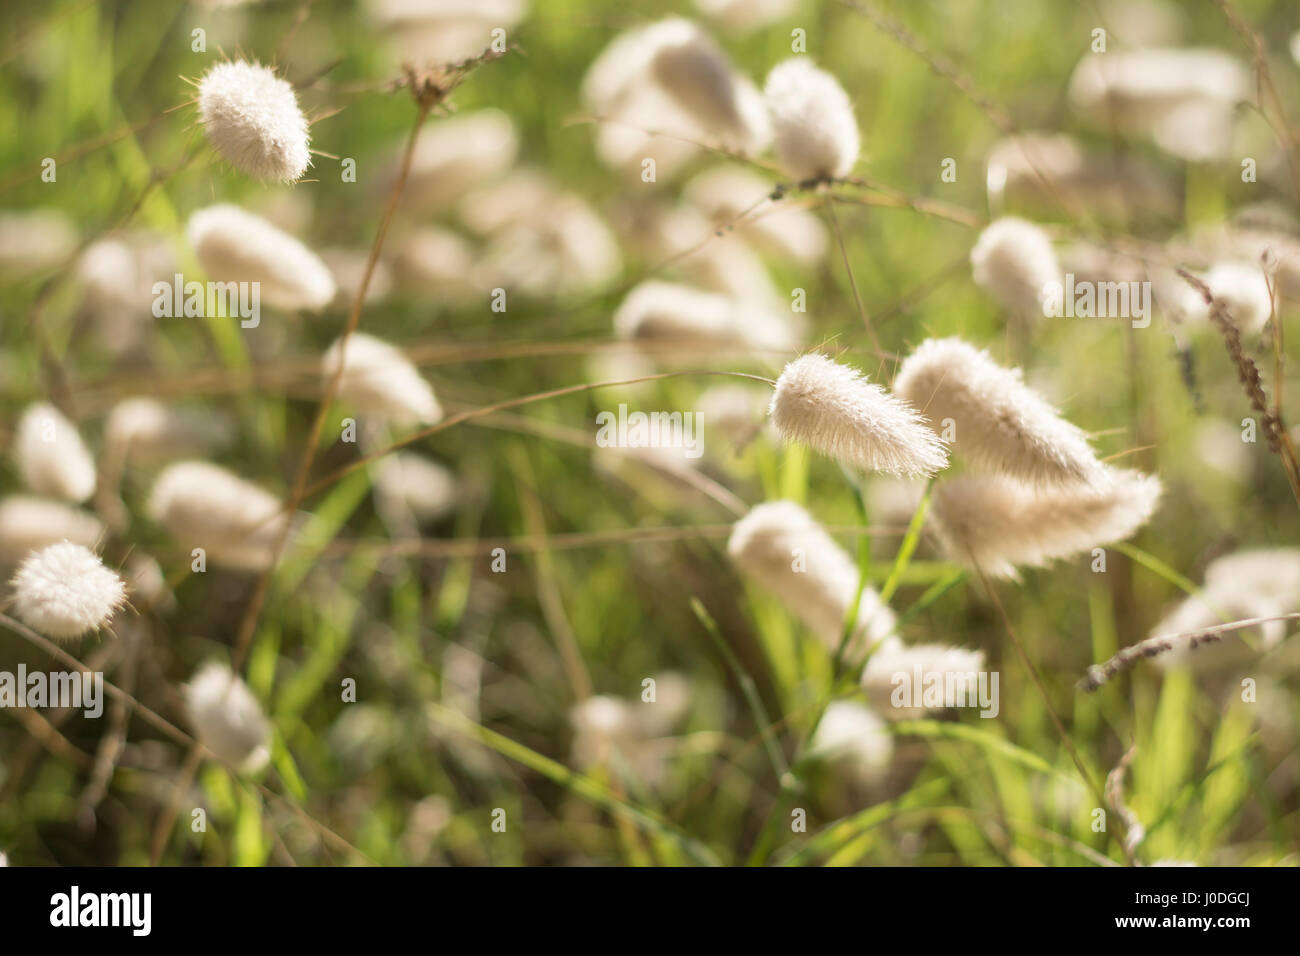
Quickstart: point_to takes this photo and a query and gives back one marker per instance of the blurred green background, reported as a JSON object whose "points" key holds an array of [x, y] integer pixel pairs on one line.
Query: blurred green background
{"points": [[399, 774]]}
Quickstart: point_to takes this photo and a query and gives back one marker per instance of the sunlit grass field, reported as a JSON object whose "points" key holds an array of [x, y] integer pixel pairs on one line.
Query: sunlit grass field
{"points": [[460, 747]]}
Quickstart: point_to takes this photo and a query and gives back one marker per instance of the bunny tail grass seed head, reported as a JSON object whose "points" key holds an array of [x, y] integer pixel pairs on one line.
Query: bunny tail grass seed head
{"points": [[149, 432], [895, 664], [202, 505], [999, 523], [667, 312], [998, 422], [378, 379], [51, 456], [628, 733], [694, 71], [1238, 586], [1244, 290], [64, 591], [835, 410], [34, 239], [227, 718], [734, 198], [852, 734], [252, 118], [815, 131], [452, 155], [236, 246], [28, 523], [783, 549], [1013, 261], [410, 484]]}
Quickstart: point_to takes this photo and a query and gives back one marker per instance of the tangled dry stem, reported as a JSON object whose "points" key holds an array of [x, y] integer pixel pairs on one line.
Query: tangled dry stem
{"points": [[1100, 674]]}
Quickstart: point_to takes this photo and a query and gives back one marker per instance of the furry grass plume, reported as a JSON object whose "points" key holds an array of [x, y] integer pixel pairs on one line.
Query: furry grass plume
{"points": [[252, 118], [834, 409], [237, 246], [998, 523], [64, 591], [999, 423], [815, 130], [783, 548]]}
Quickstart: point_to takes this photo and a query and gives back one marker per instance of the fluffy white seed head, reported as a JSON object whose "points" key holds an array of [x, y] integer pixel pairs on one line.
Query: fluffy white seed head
{"points": [[147, 583], [51, 456], [784, 550], [623, 143], [731, 268], [227, 718], [453, 154], [35, 239], [107, 270], [851, 733], [64, 591], [1217, 445], [410, 484], [586, 251], [726, 194], [1194, 614], [1245, 584], [599, 722], [1037, 170], [443, 31], [672, 702], [998, 422], [670, 76], [522, 196], [1263, 235], [745, 14], [561, 248], [611, 78], [667, 311], [28, 523], [833, 408], [379, 380], [146, 430], [1013, 261], [1176, 297], [894, 663], [236, 246], [202, 505], [436, 263], [117, 274], [687, 63], [251, 117], [627, 732], [1018, 160], [1183, 99], [1089, 262], [815, 131], [998, 523], [1243, 288]]}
